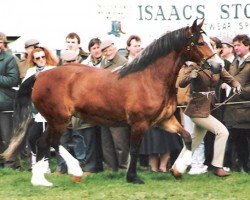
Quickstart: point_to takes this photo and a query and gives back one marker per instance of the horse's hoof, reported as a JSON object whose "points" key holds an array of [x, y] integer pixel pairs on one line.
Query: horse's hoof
{"points": [[135, 180], [41, 183], [175, 173], [76, 179]]}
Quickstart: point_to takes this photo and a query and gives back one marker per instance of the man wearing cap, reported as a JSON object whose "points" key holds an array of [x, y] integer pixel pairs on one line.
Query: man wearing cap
{"points": [[112, 59], [227, 52], [115, 140], [9, 78], [29, 45], [69, 56]]}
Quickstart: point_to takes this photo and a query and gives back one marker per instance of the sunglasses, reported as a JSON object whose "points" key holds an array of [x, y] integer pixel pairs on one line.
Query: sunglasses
{"points": [[40, 57], [70, 61]]}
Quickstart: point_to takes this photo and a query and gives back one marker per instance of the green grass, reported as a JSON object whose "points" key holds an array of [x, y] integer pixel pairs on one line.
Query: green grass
{"points": [[112, 185]]}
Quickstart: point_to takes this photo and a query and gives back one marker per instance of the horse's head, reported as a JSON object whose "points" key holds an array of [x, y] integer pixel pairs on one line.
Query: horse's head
{"points": [[200, 49]]}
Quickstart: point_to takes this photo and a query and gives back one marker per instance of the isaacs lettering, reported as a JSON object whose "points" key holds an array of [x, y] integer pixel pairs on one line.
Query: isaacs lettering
{"points": [[170, 13], [186, 12]]}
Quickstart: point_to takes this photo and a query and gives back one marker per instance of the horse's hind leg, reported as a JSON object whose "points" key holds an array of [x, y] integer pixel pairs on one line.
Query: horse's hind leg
{"points": [[41, 166], [185, 157], [137, 131]]}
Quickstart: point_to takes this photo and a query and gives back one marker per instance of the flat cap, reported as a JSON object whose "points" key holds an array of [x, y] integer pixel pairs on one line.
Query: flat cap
{"points": [[69, 55], [3, 37], [31, 42], [227, 40], [105, 44]]}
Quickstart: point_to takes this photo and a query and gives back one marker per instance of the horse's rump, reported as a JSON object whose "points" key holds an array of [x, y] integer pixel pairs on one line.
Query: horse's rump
{"points": [[76, 89]]}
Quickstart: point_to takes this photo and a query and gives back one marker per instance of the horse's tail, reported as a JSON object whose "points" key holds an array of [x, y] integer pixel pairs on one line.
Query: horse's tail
{"points": [[21, 117]]}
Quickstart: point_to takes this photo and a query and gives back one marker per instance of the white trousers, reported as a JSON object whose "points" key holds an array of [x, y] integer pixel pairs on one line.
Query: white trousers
{"points": [[198, 157]]}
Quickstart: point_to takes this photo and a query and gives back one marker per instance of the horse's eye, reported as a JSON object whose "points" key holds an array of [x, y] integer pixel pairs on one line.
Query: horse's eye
{"points": [[200, 44]]}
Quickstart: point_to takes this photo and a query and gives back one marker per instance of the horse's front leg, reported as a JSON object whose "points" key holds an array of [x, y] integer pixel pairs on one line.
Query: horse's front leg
{"points": [[185, 157], [137, 132], [74, 169]]}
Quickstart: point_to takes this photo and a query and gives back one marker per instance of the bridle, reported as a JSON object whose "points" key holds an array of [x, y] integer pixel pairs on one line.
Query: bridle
{"points": [[194, 41], [205, 64]]}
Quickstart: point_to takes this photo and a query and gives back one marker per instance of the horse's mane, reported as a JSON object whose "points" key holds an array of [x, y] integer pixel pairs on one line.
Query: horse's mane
{"points": [[164, 45]]}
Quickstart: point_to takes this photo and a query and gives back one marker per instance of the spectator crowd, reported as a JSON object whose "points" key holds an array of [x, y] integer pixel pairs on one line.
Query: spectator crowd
{"points": [[214, 108]]}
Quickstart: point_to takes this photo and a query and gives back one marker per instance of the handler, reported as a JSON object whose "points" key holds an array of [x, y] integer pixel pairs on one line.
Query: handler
{"points": [[202, 83]]}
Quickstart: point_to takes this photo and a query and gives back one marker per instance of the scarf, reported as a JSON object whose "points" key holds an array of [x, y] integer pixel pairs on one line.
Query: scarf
{"points": [[39, 68]]}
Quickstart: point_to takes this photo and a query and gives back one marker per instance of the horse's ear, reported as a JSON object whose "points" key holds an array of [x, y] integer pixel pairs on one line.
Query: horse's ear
{"points": [[194, 26], [201, 23]]}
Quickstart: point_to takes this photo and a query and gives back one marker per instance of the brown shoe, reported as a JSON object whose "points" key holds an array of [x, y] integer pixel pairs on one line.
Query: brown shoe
{"points": [[220, 172]]}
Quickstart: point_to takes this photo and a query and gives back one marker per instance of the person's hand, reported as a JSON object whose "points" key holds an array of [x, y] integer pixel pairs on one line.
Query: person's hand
{"points": [[193, 73], [227, 88], [237, 90]]}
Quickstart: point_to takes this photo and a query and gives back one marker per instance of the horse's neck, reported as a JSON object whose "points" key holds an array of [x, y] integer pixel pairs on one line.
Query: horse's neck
{"points": [[166, 70]]}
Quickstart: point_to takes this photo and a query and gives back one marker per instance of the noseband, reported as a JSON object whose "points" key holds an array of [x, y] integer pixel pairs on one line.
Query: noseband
{"points": [[205, 64]]}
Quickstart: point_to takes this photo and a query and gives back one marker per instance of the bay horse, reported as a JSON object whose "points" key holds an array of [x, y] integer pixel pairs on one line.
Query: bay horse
{"points": [[142, 94]]}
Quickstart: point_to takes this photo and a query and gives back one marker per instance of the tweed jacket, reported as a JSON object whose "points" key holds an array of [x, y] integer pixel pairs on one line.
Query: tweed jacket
{"points": [[202, 90], [117, 61], [238, 116], [183, 94]]}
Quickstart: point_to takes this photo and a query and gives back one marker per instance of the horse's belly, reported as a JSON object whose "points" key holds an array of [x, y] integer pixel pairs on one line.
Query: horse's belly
{"points": [[101, 120]]}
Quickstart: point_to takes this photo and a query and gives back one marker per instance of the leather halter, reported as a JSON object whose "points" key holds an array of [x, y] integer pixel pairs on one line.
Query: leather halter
{"points": [[194, 41]]}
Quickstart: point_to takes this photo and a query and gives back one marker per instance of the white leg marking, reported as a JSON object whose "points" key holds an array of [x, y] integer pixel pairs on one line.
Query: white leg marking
{"points": [[46, 167], [38, 171], [184, 161], [72, 163]]}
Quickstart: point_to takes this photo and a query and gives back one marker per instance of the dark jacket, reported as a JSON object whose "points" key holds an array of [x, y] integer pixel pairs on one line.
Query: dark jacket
{"points": [[9, 77], [200, 103], [238, 116]]}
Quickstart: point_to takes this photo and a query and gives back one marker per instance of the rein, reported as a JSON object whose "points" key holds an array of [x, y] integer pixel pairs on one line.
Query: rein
{"points": [[203, 65], [207, 74]]}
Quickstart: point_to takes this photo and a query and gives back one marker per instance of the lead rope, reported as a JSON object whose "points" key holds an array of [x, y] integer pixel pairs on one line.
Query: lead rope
{"points": [[223, 103]]}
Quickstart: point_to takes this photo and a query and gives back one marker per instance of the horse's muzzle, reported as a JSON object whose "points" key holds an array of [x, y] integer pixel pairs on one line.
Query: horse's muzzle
{"points": [[216, 67]]}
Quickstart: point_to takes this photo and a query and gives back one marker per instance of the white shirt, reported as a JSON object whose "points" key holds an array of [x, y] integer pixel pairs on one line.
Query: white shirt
{"points": [[31, 71]]}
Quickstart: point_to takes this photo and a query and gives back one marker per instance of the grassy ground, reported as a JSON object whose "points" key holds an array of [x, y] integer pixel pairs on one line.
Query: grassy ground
{"points": [[112, 185]]}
